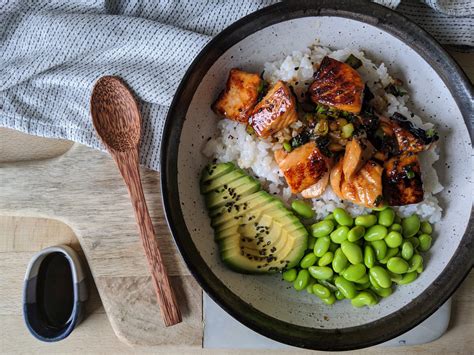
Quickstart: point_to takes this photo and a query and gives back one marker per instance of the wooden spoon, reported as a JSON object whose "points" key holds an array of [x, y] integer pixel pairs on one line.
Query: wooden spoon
{"points": [[117, 121]]}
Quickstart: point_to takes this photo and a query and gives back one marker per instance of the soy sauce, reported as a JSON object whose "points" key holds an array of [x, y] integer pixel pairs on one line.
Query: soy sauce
{"points": [[55, 291]]}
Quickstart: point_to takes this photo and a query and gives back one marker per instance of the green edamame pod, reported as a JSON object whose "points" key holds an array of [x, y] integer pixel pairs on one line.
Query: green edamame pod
{"points": [[367, 220], [302, 208], [340, 234], [321, 246], [321, 272], [408, 278], [393, 239], [425, 242], [391, 252], [397, 265], [376, 232], [395, 228], [381, 276], [330, 300], [347, 288], [289, 275], [321, 291], [415, 262], [301, 280], [426, 228], [339, 295], [354, 272], [410, 226], [340, 261], [380, 248], [364, 298], [322, 228], [382, 292], [355, 233], [407, 250], [308, 260], [386, 217], [342, 217], [352, 251], [369, 256], [326, 259], [311, 242]]}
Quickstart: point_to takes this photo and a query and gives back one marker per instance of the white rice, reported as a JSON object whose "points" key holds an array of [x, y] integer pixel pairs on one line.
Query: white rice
{"points": [[233, 143]]}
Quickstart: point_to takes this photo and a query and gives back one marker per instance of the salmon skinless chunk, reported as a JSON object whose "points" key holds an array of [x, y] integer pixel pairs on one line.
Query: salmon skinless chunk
{"points": [[338, 85], [303, 167], [277, 110], [358, 152], [239, 97], [317, 189]]}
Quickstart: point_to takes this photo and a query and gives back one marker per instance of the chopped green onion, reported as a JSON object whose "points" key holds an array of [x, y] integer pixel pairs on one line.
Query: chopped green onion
{"points": [[250, 130], [410, 174], [354, 62], [260, 87], [322, 128], [431, 133], [347, 130], [287, 146]]}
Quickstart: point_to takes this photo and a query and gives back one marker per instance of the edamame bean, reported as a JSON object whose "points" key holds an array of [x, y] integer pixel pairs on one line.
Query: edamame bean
{"points": [[425, 242], [367, 220], [289, 275], [397, 219], [395, 277], [321, 246], [369, 256], [340, 234], [329, 217], [414, 241], [322, 228], [340, 261], [426, 228], [407, 278], [326, 259], [309, 287], [330, 300], [311, 242], [386, 217], [393, 239], [308, 260], [397, 265], [410, 226], [391, 252], [415, 262], [396, 227], [355, 233], [380, 248], [381, 276], [420, 269], [354, 272], [347, 288], [407, 250], [382, 292], [376, 232], [364, 298], [321, 272], [301, 280], [328, 285], [361, 287], [302, 208], [363, 280], [342, 217], [339, 295], [333, 247], [352, 251], [321, 291]]}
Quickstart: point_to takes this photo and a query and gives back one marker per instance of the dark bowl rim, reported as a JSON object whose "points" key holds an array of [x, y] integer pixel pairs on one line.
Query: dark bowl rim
{"points": [[361, 336]]}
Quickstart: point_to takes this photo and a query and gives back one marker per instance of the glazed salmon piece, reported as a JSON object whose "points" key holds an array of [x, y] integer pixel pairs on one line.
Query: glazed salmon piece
{"points": [[317, 189], [338, 85], [402, 182], [239, 97], [303, 167], [277, 110], [358, 152], [336, 178]]}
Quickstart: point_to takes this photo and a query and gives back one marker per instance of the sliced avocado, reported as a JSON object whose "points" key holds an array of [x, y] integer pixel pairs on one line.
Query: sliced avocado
{"points": [[213, 171], [232, 192], [255, 232]]}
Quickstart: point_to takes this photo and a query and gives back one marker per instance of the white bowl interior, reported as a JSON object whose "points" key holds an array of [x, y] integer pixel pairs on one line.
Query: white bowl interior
{"points": [[430, 99]]}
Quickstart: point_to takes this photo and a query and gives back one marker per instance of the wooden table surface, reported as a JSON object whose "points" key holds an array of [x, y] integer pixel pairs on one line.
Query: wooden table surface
{"points": [[20, 237]]}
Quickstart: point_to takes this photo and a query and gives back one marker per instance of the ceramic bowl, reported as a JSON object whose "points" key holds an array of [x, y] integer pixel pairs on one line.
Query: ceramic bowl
{"points": [[439, 92]]}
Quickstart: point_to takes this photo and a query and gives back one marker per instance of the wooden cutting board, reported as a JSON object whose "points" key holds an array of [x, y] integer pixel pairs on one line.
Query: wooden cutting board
{"points": [[82, 188]]}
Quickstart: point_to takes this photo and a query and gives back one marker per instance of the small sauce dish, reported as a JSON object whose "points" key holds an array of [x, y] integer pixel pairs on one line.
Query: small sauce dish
{"points": [[54, 293]]}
